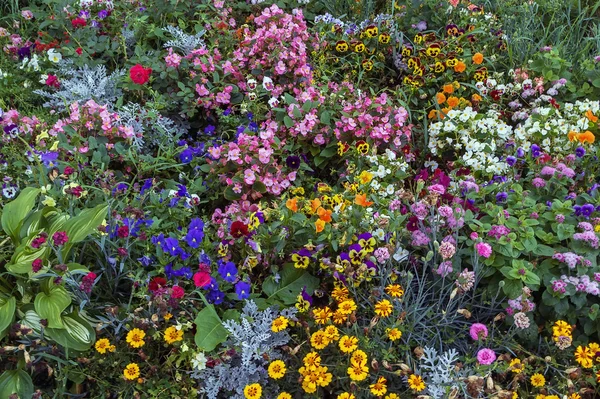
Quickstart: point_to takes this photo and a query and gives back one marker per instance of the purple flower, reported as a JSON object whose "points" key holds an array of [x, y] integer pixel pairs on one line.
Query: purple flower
{"points": [[194, 237], [501, 197], [535, 150], [242, 289], [580, 152], [186, 156], [215, 297], [486, 356], [520, 152], [102, 14], [293, 162], [49, 158], [510, 160], [11, 129], [171, 246], [228, 271]]}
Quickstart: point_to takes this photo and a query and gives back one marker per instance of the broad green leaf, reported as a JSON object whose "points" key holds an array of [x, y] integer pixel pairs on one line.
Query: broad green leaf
{"points": [[291, 282], [14, 213], [32, 320], [82, 225], [50, 305], [24, 257], [209, 330], [76, 335], [7, 313], [16, 381]]}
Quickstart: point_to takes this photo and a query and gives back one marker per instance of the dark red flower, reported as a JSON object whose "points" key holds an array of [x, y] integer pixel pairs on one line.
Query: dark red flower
{"points": [[60, 238], [52, 81], [157, 283], [36, 265], [123, 232], [139, 74], [238, 229], [79, 50], [78, 22], [68, 171]]}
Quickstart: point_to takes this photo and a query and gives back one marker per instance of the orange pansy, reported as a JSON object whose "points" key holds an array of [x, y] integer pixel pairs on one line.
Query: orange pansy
{"points": [[590, 115], [292, 204], [315, 204], [319, 225], [361, 199], [324, 214]]}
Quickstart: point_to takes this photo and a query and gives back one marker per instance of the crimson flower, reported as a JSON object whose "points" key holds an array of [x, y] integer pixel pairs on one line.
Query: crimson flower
{"points": [[157, 283], [139, 74], [238, 229]]}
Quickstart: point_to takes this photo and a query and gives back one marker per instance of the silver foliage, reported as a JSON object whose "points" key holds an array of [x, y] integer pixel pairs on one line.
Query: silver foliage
{"points": [[439, 372], [182, 41], [150, 127]]}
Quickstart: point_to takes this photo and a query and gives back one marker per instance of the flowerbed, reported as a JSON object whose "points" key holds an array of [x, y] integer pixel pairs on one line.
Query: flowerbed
{"points": [[271, 201]]}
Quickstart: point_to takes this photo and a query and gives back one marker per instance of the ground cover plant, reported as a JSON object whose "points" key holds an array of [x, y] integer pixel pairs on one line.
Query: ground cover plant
{"points": [[299, 199]]}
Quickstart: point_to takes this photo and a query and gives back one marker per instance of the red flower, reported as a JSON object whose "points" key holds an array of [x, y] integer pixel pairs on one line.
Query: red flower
{"points": [[79, 50], [201, 279], [139, 74], [238, 229], [177, 292], [68, 171], [60, 238], [36, 265], [78, 22], [52, 81], [123, 232], [157, 283]]}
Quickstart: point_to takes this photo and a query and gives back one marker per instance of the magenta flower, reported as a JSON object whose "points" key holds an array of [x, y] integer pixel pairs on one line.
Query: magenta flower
{"points": [[483, 249], [60, 238], [478, 331], [486, 356]]}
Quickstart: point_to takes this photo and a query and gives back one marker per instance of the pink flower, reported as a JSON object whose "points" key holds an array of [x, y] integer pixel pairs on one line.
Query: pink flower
{"points": [[474, 236], [437, 188], [447, 250], [478, 331], [201, 279], [177, 292], [486, 356], [60, 238], [483, 249]]}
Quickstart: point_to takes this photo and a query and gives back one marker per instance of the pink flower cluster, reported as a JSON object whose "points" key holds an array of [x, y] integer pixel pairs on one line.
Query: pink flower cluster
{"points": [[571, 259]]}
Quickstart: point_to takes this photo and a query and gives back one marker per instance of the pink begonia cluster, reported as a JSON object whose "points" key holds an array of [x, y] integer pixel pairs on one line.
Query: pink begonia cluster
{"points": [[253, 157], [89, 119], [559, 171], [498, 231], [571, 259], [21, 125], [277, 48]]}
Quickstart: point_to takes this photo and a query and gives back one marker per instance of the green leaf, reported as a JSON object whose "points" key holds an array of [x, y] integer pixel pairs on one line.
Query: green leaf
{"points": [[16, 381], [231, 195], [50, 305], [291, 282], [24, 257], [14, 212], [209, 330], [7, 313], [259, 186], [82, 225], [325, 117], [512, 288], [289, 122], [77, 334]]}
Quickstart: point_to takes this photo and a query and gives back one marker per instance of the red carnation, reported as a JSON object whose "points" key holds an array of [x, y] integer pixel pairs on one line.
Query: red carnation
{"points": [[78, 22], [177, 292], [123, 232], [157, 283], [52, 81], [238, 229], [201, 279], [139, 74]]}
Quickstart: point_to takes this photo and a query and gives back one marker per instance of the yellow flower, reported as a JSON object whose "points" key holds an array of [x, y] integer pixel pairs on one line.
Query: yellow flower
{"points": [[284, 395], [394, 290], [339, 317], [132, 371], [584, 356], [394, 334], [365, 177], [277, 369], [384, 308], [319, 340], [416, 383], [322, 315], [279, 324], [346, 395], [392, 396], [538, 380], [358, 373], [358, 358], [516, 366], [135, 338], [103, 345], [253, 391], [347, 307], [348, 344], [380, 387], [332, 333], [168, 316], [575, 395], [172, 334]]}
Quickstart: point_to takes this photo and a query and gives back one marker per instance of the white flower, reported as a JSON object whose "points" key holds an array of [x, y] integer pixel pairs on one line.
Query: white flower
{"points": [[268, 83], [379, 234], [199, 361], [273, 102], [54, 56], [400, 255], [43, 79], [9, 192]]}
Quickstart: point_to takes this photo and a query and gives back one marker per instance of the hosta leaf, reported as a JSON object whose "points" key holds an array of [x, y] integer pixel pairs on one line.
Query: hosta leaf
{"points": [[209, 330], [14, 213], [16, 381], [50, 305]]}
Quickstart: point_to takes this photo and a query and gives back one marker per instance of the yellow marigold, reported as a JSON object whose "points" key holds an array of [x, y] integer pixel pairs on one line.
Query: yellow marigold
{"points": [[172, 334], [347, 307], [574, 395], [346, 395], [516, 366], [277, 369], [392, 396], [339, 317], [135, 338], [312, 359], [584, 356], [103, 345], [358, 358], [358, 373], [132, 371], [384, 308], [322, 315], [538, 380], [348, 344], [394, 290], [394, 334], [416, 383], [284, 395], [332, 333], [253, 391], [319, 340], [279, 324], [168, 316], [380, 387]]}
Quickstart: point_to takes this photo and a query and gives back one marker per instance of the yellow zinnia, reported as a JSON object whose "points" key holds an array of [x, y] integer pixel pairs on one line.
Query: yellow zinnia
{"points": [[135, 338]]}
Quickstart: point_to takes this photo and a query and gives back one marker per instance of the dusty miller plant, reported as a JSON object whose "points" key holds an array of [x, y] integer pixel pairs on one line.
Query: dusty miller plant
{"points": [[150, 127], [439, 372], [253, 341], [183, 41], [83, 84]]}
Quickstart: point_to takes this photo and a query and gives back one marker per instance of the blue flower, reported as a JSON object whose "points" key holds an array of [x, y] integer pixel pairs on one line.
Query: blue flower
{"points": [[147, 186], [242, 289], [210, 130], [510, 160], [186, 155], [215, 296], [158, 240], [228, 272], [535, 150], [501, 197], [49, 159], [145, 260], [580, 152], [194, 237], [171, 246]]}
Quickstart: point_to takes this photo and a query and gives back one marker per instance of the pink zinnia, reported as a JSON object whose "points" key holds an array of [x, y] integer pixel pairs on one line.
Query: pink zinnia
{"points": [[484, 249], [486, 356], [478, 331]]}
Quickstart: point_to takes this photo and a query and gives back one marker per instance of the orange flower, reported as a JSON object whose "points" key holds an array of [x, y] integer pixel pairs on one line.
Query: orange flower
{"points": [[361, 199], [448, 88], [453, 102], [475, 98], [477, 58], [432, 114], [460, 67], [292, 204], [440, 98], [587, 137], [319, 225], [324, 214], [572, 136], [315, 204], [590, 115]]}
